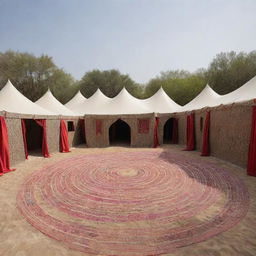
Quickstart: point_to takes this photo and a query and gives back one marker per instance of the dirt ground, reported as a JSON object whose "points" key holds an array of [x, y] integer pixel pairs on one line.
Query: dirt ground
{"points": [[19, 238]]}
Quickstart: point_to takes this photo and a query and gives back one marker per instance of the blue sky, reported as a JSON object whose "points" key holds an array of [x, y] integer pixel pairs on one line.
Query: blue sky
{"points": [[139, 37]]}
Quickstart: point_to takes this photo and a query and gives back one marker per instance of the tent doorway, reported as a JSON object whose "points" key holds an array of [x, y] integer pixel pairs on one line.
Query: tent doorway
{"points": [[168, 131], [34, 137], [120, 133]]}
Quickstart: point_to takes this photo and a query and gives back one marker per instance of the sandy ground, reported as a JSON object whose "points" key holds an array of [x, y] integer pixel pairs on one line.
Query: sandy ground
{"points": [[19, 238]]}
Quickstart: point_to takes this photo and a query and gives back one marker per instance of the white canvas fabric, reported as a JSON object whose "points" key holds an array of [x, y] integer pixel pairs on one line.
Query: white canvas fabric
{"points": [[93, 105], [11, 100], [206, 98], [49, 102], [243, 93], [75, 101], [160, 102], [124, 103]]}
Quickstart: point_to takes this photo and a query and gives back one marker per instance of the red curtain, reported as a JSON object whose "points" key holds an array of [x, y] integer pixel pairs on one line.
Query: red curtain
{"points": [[206, 145], [4, 148], [42, 123], [98, 127], [156, 142], [251, 165], [190, 132], [23, 126], [175, 131], [64, 145]]}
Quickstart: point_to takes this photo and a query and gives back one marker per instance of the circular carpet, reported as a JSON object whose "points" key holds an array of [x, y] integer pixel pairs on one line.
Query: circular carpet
{"points": [[132, 203]]}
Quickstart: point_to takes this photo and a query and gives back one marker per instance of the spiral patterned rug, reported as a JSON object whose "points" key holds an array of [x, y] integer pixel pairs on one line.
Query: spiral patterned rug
{"points": [[132, 203]]}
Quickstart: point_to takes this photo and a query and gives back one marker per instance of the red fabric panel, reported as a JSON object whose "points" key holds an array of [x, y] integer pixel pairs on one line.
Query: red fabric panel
{"points": [[23, 126], [175, 131], [64, 145], [143, 125], [190, 132], [4, 148], [98, 127], [82, 127], [206, 145], [251, 165], [156, 141], [42, 123]]}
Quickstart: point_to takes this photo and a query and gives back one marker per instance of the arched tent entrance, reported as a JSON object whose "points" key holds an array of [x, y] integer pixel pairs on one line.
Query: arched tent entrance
{"points": [[34, 135], [119, 133], [168, 126], [170, 131]]}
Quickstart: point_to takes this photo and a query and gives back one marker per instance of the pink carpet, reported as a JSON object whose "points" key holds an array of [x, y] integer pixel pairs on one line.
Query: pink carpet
{"points": [[132, 203]]}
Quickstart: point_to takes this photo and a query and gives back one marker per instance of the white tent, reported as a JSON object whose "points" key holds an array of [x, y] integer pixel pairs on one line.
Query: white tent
{"points": [[160, 102], [75, 101], [49, 102], [244, 93], [124, 103], [206, 98], [93, 105], [11, 100]]}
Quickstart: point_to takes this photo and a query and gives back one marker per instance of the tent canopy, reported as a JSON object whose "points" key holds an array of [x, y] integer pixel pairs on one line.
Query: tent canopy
{"points": [[206, 98], [11, 100], [75, 101], [49, 102], [125, 103], [160, 102], [243, 93], [93, 105]]}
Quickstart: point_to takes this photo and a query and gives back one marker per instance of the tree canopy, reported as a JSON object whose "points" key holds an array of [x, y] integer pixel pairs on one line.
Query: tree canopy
{"points": [[110, 82], [228, 71], [33, 75]]}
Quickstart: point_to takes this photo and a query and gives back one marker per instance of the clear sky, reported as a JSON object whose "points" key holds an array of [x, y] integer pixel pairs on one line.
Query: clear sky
{"points": [[139, 37]]}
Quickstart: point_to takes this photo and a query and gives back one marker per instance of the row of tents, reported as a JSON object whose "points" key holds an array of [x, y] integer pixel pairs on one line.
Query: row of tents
{"points": [[11, 100], [160, 102]]}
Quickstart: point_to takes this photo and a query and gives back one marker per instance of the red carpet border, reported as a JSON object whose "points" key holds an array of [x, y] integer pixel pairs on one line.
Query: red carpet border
{"points": [[132, 203]]}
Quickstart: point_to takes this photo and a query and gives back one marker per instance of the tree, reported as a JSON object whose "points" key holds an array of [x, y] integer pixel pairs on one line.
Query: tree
{"points": [[63, 85], [32, 75], [228, 71], [110, 82]]}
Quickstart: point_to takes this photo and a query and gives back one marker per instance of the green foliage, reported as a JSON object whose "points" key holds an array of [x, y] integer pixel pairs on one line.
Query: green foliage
{"points": [[228, 71], [32, 75], [110, 82]]}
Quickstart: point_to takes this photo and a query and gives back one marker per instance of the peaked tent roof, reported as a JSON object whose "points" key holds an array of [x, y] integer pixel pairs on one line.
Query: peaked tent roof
{"points": [[11, 100], [206, 98], [125, 103], [49, 102], [244, 93], [160, 102], [76, 100], [92, 105]]}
